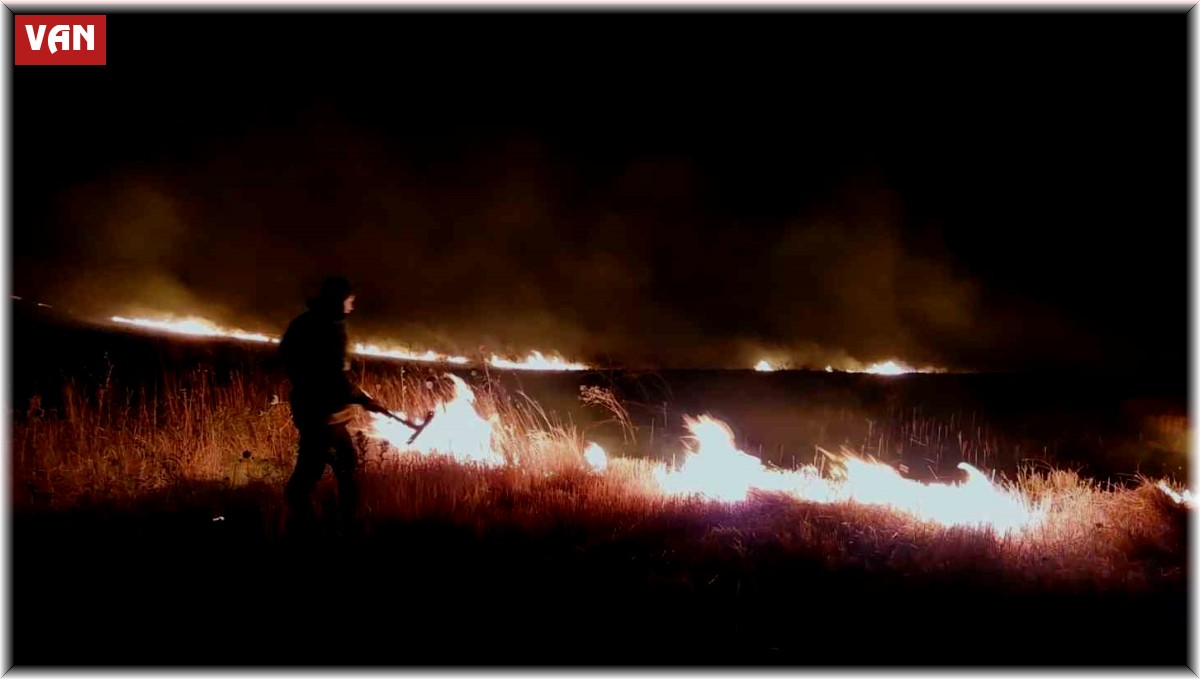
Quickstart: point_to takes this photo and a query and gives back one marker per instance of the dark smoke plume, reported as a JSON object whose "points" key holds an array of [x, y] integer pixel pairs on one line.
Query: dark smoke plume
{"points": [[508, 247]]}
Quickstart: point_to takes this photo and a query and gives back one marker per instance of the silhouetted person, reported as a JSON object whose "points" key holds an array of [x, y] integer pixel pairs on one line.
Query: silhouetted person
{"points": [[314, 356]]}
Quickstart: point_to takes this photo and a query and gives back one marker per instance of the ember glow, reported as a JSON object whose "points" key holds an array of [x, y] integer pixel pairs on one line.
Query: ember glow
{"points": [[536, 361], [457, 430], [195, 327], [716, 469]]}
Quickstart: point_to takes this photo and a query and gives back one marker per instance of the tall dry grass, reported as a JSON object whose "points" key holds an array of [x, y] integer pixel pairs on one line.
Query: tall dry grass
{"points": [[117, 444]]}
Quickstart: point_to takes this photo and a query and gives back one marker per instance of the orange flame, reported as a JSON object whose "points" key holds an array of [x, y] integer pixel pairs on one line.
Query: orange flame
{"points": [[888, 368], [536, 361], [406, 355], [716, 468], [1185, 498], [197, 327], [457, 429]]}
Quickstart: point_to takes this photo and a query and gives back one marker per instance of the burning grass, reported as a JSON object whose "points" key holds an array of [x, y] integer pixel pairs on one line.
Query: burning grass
{"points": [[193, 326], [114, 446], [530, 547]]}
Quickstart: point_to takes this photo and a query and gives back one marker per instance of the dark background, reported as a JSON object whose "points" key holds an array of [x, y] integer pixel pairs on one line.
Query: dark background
{"points": [[983, 191]]}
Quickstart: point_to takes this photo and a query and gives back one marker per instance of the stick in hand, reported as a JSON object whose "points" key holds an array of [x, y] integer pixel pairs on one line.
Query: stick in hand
{"points": [[417, 428]]}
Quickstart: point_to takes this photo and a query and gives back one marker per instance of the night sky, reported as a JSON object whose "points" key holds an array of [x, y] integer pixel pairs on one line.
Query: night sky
{"points": [[983, 191]]}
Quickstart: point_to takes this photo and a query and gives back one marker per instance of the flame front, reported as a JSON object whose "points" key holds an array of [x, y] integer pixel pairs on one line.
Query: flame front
{"points": [[888, 368], [717, 469], [713, 466], [764, 367], [406, 355], [199, 327], [457, 429], [196, 327], [536, 361]]}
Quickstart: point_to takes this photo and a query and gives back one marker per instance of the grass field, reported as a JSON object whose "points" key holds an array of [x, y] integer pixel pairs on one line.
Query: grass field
{"points": [[157, 494]]}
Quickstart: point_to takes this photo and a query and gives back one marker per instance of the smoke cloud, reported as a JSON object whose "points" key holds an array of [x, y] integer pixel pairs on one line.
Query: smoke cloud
{"points": [[508, 246]]}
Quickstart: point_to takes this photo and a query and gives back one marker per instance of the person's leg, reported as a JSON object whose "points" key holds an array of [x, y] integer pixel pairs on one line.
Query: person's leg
{"points": [[345, 468], [311, 459]]}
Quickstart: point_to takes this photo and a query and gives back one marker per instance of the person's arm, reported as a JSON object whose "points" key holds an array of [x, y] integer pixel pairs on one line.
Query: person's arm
{"points": [[362, 398], [353, 393]]}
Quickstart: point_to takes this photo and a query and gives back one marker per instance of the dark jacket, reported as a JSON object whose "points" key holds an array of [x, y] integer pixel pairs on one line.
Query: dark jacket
{"points": [[313, 351]]}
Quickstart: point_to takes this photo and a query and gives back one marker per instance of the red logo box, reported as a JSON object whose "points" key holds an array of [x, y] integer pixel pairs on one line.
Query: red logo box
{"points": [[60, 40]]}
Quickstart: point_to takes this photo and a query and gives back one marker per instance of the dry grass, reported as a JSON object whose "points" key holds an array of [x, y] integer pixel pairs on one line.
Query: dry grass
{"points": [[113, 445]]}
